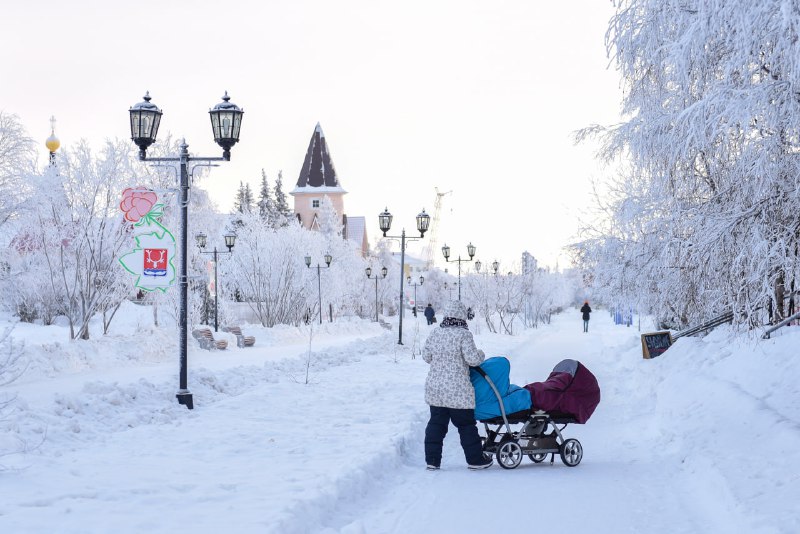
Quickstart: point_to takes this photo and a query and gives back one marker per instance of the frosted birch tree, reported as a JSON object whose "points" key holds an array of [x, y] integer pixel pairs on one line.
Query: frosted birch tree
{"points": [[17, 162], [706, 216]]}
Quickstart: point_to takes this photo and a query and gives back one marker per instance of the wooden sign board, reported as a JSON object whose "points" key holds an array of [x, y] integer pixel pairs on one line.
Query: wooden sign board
{"points": [[655, 344]]}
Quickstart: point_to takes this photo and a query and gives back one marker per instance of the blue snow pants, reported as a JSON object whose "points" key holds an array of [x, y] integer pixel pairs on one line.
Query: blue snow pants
{"points": [[464, 421]]}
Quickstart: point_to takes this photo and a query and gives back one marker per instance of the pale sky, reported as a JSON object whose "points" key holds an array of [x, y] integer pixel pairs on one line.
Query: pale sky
{"points": [[477, 98]]}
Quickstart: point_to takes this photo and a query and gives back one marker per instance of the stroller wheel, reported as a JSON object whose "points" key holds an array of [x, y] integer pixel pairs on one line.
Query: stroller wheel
{"points": [[571, 452], [537, 457], [509, 455]]}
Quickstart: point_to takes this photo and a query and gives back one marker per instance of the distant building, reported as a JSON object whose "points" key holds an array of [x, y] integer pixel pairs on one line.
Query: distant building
{"points": [[317, 180], [529, 263]]}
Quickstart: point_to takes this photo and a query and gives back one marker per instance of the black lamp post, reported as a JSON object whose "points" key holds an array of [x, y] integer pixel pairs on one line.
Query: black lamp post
{"points": [[328, 260], [368, 270], [226, 121], [385, 223], [470, 251], [421, 281], [230, 240]]}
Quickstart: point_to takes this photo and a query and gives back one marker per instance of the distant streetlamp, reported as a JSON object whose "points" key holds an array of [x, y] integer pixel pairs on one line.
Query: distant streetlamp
{"points": [[495, 267], [230, 240], [328, 260], [449, 289], [369, 275], [446, 253], [421, 281], [385, 223], [226, 122]]}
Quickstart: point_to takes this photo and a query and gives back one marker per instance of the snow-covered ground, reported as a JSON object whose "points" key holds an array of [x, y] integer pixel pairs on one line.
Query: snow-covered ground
{"points": [[705, 438]]}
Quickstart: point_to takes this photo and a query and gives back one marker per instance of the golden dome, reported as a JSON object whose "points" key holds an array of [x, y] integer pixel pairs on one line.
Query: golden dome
{"points": [[52, 143]]}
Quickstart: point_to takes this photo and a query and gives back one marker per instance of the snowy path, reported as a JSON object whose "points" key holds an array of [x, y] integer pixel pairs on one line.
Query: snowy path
{"points": [[621, 485], [264, 451]]}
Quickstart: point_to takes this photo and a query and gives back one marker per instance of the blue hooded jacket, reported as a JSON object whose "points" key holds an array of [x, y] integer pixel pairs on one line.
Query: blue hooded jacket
{"points": [[515, 398]]}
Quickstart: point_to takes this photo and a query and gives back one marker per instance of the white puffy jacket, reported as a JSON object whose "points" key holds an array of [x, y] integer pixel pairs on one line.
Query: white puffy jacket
{"points": [[451, 351]]}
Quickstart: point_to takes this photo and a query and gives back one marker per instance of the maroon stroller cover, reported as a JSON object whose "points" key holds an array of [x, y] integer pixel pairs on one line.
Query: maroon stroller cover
{"points": [[571, 388]]}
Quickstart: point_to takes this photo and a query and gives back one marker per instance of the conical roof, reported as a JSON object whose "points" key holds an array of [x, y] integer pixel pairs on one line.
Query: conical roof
{"points": [[318, 169]]}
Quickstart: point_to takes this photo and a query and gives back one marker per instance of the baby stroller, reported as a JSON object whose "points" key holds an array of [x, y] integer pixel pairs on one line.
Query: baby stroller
{"points": [[569, 395]]}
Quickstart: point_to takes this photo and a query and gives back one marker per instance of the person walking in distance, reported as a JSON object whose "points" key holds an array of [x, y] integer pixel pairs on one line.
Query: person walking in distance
{"points": [[450, 350], [429, 313], [586, 310]]}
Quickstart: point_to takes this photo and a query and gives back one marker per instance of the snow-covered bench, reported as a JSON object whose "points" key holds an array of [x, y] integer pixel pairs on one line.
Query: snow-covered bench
{"points": [[241, 339], [207, 341]]}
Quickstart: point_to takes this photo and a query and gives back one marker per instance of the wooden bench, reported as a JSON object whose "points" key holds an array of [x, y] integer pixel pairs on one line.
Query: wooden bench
{"points": [[207, 341], [241, 339]]}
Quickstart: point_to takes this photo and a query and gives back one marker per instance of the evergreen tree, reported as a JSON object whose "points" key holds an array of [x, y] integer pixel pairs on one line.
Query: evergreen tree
{"points": [[266, 205], [281, 204], [249, 200], [238, 203], [329, 221], [244, 199]]}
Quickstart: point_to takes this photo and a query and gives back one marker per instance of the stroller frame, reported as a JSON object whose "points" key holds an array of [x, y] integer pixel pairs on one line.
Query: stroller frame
{"points": [[533, 439]]}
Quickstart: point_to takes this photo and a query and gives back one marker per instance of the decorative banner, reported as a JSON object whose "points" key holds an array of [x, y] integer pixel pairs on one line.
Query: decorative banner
{"points": [[152, 258]]}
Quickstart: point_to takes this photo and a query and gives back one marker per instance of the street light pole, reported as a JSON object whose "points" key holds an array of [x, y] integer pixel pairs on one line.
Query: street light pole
{"points": [[226, 122], [449, 290], [421, 281], [328, 260], [230, 240], [446, 253], [368, 270], [385, 223]]}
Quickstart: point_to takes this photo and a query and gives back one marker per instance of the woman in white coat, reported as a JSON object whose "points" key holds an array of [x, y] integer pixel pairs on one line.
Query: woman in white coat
{"points": [[450, 350]]}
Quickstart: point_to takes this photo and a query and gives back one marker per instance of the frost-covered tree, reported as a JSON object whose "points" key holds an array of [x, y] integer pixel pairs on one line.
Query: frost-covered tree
{"points": [[705, 218], [329, 222], [66, 252], [281, 203], [268, 272], [244, 199], [17, 160], [11, 368], [266, 204]]}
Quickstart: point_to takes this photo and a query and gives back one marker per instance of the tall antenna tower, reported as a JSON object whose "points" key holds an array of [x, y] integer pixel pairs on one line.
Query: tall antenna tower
{"points": [[433, 231]]}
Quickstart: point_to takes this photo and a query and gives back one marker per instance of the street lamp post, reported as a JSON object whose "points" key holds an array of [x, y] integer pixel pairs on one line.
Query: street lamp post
{"points": [[328, 260], [230, 240], [449, 289], [368, 270], [226, 122], [446, 252], [421, 281], [385, 223]]}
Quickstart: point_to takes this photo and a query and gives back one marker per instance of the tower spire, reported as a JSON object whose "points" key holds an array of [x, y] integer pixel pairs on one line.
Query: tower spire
{"points": [[52, 143], [318, 169]]}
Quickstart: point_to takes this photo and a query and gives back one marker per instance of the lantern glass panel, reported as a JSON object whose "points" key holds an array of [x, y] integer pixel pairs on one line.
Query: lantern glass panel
{"points": [[385, 220], [423, 221]]}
